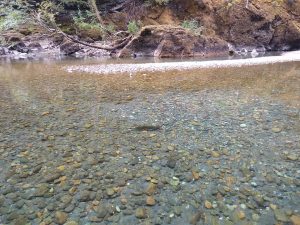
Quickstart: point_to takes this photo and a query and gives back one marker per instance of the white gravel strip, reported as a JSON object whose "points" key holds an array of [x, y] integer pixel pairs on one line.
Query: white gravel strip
{"points": [[153, 67]]}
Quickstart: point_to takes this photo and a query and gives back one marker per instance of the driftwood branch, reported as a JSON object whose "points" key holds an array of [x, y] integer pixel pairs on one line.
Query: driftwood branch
{"points": [[109, 48], [121, 33], [56, 29]]}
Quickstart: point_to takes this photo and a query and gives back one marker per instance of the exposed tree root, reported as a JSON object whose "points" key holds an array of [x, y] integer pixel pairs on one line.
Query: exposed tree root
{"points": [[55, 28], [103, 47]]}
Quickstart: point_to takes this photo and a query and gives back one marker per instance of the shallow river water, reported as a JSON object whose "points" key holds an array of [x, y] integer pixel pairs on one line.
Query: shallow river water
{"points": [[206, 146]]}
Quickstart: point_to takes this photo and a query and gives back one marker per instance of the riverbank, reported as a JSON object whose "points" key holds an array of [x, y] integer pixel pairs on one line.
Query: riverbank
{"points": [[163, 29]]}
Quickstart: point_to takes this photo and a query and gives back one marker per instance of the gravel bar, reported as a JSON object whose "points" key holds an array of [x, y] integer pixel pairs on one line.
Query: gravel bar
{"points": [[154, 67]]}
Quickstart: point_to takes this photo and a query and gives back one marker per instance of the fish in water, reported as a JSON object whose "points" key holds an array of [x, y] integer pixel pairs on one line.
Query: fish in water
{"points": [[147, 128]]}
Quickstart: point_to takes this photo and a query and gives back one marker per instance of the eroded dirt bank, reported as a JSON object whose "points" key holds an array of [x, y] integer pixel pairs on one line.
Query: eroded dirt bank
{"points": [[224, 27]]}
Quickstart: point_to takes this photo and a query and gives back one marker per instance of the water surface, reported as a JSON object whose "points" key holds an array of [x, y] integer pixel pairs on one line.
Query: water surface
{"points": [[206, 146]]}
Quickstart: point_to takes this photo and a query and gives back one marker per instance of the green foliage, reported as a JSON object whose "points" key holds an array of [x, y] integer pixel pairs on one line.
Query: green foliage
{"points": [[111, 28], [12, 19], [16, 4], [159, 2], [193, 26], [77, 3], [86, 21], [48, 10], [162, 2], [133, 27], [13, 14]]}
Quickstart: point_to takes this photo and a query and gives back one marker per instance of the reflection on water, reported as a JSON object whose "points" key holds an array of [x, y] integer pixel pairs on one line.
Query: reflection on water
{"points": [[210, 146], [279, 81]]}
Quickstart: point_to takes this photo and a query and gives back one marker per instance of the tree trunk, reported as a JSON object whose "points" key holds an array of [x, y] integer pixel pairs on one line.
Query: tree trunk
{"points": [[93, 6]]}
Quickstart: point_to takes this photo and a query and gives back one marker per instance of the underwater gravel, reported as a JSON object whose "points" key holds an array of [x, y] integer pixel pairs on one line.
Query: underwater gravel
{"points": [[216, 147]]}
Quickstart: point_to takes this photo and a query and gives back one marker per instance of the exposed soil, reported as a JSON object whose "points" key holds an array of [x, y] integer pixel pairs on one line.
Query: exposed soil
{"points": [[227, 27]]}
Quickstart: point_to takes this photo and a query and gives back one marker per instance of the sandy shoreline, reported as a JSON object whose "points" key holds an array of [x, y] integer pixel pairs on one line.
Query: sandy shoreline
{"points": [[166, 66]]}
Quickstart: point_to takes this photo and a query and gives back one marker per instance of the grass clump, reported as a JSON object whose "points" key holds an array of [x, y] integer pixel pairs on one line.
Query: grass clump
{"points": [[162, 2], [193, 26], [156, 2], [86, 25], [133, 27], [11, 19], [86, 21]]}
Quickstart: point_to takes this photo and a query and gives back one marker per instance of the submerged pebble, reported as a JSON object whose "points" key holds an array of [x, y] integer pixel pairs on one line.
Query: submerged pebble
{"points": [[210, 146]]}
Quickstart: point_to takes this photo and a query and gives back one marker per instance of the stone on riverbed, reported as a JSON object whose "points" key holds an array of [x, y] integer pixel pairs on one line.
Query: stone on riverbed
{"points": [[280, 215], [42, 190], [51, 177], [71, 223], [61, 217], [150, 201], [110, 192], [171, 163], [292, 157], [141, 213], [151, 189], [295, 219], [85, 196], [101, 211]]}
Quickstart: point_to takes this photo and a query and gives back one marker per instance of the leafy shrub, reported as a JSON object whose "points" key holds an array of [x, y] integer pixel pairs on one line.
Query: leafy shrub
{"points": [[87, 25], [12, 19], [111, 28], [193, 26], [158, 2], [48, 10], [12, 14], [74, 3], [162, 2], [133, 27], [86, 21]]}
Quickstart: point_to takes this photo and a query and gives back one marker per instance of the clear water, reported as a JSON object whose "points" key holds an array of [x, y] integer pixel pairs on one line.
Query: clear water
{"points": [[211, 146]]}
